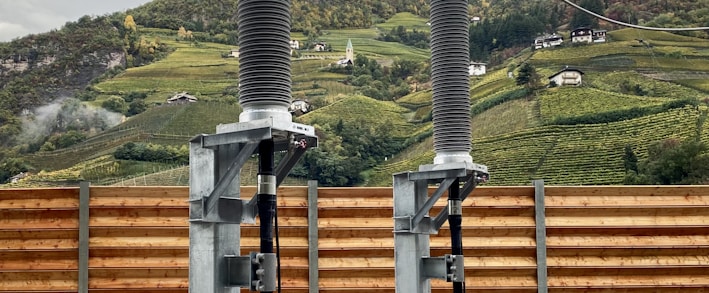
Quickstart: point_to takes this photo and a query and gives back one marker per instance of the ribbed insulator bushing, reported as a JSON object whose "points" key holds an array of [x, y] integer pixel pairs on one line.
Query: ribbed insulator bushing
{"points": [[264, 54], [450, 59]]}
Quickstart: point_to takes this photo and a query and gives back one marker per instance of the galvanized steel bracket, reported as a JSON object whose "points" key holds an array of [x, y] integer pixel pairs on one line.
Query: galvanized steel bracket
{"points": [[257, 271], [448, 267], [217, 206]]}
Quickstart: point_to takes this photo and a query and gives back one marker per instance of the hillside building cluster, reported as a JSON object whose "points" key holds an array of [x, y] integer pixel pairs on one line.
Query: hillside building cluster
{"points": [[578, 35]]}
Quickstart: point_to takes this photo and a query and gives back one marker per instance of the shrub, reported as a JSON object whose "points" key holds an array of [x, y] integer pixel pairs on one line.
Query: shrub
{"points": [[115, 104]]}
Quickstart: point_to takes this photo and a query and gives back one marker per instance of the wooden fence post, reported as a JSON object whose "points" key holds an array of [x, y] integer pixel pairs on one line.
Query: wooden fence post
{"points": [[541, 236], [83, 280], [313, 276]]}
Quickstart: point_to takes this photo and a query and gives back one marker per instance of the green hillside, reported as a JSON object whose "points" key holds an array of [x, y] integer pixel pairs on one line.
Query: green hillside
{"points": [[519, 141], [575, 155], [519, 136], [199, 70]]}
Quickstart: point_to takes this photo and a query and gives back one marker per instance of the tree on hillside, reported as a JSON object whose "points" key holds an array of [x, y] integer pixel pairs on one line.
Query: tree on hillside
{"points": [[115, 104], [580, 18], [528, 77], [184, 34], [10, 167], [672, 161], [630, 160], [129, 24]]}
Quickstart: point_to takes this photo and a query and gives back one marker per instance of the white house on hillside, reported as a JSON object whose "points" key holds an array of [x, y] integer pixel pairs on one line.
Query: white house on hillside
{"points": [[182, 98], [582, 35], [599, 36], [567, 76], [476, 68], [547, 41]]}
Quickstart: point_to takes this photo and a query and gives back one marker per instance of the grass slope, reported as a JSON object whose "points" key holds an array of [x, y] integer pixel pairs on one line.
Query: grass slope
{"points": [[407, 20]]}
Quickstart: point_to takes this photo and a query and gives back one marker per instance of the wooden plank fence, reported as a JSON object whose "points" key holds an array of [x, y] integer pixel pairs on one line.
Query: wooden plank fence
{"points": [[598, 239]]}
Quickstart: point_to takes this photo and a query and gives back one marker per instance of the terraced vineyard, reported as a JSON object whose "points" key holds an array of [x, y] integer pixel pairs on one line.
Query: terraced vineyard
{"points": [[416, 100], [407, 20], [199, 70], [173, 124], [570, 102], [616, 80], [580, 154], [360, 109]]}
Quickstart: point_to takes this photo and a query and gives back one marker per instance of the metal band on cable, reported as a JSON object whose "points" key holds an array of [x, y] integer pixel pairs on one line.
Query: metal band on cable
{"points": [[266, 184], [455, 207]]}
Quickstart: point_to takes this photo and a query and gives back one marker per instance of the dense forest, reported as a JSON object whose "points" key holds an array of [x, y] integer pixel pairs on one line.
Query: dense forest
{"points": [[506, 26]]}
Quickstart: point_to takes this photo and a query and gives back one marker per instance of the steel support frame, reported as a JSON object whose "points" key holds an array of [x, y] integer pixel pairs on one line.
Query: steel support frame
{"points": [[216, 210], [414, 267]]}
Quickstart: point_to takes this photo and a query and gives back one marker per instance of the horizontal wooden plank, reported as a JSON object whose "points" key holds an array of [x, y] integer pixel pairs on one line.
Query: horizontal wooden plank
{"points": [[637, 201], [138, 278], [502, 191], [61, 260], [388, 222], [474, 200], [328, 192], [471, 262], [609, 281], [648, 261], [35, 240], [625, 241], [385, 278], [141, 290], [138, 242], [38, 219], [285, 242], [470, 241], [67, 192], [39, 244], [38, 234], [469, 250], [143, 217], [149, 261], [627, 191], [675, 289], [619, 217], [627, 252], [178, 196], [38, 281], [47, 200], [139, 192]]}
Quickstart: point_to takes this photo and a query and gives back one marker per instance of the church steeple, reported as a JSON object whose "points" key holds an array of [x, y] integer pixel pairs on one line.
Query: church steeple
{"points": [[349, 52]]}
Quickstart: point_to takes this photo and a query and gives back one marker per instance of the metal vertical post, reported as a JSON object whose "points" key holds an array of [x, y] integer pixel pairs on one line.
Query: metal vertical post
{"points": [[313, 273], [83, 280], [210, 241], [541, 236], [410, 248]]}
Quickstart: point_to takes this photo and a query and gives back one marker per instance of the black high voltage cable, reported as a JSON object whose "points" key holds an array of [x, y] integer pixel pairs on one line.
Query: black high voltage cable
{"points": [[665, 29]]}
